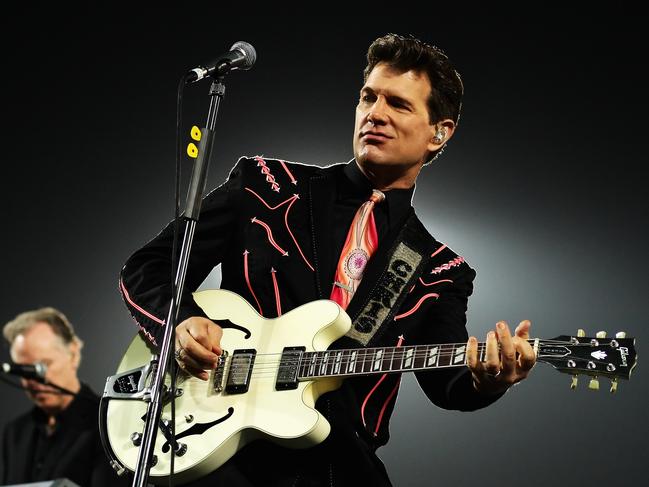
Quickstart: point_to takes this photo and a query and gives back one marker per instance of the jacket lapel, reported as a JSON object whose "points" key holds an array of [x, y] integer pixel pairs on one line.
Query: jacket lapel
{"points": [[322, 195]]}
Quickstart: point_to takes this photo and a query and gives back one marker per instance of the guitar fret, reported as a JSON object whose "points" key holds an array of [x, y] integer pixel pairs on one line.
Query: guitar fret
{"points": [[459, 354], [394, 351], [314, 358], [387, 359], [351, 366], [337, 363], [408, 362], [432, 356], [419, 361], [364, 360], [302, 366], [445, 355], [378, 356], [402, 355], [323, 364]]}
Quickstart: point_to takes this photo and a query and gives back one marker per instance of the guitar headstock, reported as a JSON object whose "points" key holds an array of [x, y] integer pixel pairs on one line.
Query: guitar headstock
{"points": [[596, 356]]}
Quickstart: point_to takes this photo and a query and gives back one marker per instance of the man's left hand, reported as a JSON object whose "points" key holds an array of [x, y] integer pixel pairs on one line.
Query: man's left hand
{"points": [[508, 358]]}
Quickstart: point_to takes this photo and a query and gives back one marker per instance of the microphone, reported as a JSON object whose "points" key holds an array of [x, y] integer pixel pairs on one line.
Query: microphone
{"points": [[36, 371], [240, 56]]}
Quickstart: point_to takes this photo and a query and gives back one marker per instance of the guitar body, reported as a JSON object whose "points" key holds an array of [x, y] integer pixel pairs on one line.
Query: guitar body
{"points": [[215, 424]]}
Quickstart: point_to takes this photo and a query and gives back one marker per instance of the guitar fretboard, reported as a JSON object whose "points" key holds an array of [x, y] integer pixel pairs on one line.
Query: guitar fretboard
{"points": [[366, 361]]}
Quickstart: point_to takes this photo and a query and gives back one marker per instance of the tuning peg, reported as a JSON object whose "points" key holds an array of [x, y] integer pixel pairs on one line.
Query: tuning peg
{"points": [[195, 133], [573, 384], [620, 334], [581, 333], [613, 386], [594, 384], [600, 334]]}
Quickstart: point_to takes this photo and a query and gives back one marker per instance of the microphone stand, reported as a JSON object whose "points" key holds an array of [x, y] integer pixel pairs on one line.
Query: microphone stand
{"points": [[194, 200]]}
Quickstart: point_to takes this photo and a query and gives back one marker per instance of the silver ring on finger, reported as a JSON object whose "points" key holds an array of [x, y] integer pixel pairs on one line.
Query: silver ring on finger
{"points": [[179, 354]]}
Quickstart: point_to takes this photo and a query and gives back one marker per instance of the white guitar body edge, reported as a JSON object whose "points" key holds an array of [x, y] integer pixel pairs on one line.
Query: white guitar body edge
{"points": [[288, 418]]}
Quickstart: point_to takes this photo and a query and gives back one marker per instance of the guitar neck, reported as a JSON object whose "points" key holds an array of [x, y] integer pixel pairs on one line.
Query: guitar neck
{"points": [[381, 360]]}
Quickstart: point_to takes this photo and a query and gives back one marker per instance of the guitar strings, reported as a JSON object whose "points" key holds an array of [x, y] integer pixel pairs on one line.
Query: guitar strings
{"points": [[364, 355], [271, 372], [309, 368]]}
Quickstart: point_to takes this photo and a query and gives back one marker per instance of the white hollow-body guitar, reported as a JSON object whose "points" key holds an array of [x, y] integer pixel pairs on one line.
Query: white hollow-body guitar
{"points": [[272, 372]]}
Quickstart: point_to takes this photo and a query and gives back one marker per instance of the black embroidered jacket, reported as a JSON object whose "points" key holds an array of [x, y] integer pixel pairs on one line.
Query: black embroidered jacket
{"points": [[270, 227]]}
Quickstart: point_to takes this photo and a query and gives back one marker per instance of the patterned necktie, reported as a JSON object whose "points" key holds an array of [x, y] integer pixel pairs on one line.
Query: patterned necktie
{"points": [[362, 241]]}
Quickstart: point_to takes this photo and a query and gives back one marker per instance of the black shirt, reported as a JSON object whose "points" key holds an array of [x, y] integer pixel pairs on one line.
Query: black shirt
{"points": [[71, 450], [353, 189]]}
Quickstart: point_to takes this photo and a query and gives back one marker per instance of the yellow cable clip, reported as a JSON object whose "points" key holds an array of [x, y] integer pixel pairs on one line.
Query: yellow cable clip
{"points": [[192, 150]]}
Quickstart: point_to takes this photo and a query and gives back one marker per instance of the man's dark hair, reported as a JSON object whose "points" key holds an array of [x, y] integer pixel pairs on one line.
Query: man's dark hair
{"points": [[408, 53]]}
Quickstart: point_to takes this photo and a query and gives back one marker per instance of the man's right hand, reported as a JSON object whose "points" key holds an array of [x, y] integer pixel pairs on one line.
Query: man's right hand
{"points": [[198, 345]]}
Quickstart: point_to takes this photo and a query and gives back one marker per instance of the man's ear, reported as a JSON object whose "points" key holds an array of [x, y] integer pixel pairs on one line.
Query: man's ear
{"points": [[75, 353], [441, 132]]}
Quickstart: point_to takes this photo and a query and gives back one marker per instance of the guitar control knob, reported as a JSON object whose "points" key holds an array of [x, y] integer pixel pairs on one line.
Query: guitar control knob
{"points": [[136, 438], [594, 384], [180, 450]]}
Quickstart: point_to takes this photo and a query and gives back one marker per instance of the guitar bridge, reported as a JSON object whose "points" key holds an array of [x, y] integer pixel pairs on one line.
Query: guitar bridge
{"points": [[219, 372]]}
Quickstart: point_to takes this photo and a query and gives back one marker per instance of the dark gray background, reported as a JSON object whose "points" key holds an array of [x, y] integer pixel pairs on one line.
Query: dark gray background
{"points": [[542, 190]]}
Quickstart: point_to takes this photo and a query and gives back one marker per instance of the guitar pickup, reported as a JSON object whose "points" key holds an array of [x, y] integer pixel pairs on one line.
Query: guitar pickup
{"points": [[288, 367], [240, 370]]}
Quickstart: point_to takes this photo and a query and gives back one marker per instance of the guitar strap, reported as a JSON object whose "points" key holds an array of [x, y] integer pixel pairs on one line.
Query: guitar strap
{"points": [[388, 278]]}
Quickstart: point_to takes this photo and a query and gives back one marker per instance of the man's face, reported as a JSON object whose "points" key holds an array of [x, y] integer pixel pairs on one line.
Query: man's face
{"points": [[392, 121], [41, 344]]}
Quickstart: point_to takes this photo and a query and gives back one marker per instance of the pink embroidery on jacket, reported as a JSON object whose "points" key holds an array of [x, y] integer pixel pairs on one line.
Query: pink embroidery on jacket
{"points": [[429, 283], [438, 250], [270, 236], [148, 334], [416, 306], [290, 174], [436, 282], [290, 202], [288, 208], [141, 310], [387, 401], [245, 274], [267, 205], [265, 170], [277, 295], [444, 267]]}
